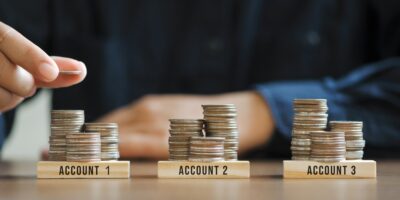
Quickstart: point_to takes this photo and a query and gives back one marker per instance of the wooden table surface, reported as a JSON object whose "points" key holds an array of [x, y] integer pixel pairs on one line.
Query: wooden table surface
{"points": [[18, 181]]}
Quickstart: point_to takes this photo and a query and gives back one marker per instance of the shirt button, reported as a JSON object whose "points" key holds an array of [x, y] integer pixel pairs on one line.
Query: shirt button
{"points": [[313, 38]]}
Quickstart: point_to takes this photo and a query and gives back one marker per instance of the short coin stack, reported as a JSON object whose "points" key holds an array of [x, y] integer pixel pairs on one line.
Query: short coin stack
{"points": [[328, 146], [310, 115], [353, 135], [83, 147], [109, 139], [206, 149], [63, 122], [180, 132], [220, 121]]}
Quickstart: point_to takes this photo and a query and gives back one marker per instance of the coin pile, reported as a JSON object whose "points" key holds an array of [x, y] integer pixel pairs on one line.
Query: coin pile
{"points": [[328, 146], [83, 147], [353, 135], [310, 115], [180, 132], [63, 122], [109, 138], [206, 149], [220, 121]]}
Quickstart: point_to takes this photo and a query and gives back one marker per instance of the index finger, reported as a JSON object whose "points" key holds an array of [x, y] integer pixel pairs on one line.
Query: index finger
{"points": [[24, 53]]}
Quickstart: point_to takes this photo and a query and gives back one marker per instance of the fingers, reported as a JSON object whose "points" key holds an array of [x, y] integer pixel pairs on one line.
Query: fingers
{"points": [[24, 66], [15, 79], [44, 155], [143, 140], [13, 103], [121, 116], [66, 64], [5, 97], [8, 100], [24, 53], [143, 145]]}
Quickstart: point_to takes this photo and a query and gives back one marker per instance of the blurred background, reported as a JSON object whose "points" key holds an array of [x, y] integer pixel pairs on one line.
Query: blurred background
{"points": [[343, 51], [24, 143]]}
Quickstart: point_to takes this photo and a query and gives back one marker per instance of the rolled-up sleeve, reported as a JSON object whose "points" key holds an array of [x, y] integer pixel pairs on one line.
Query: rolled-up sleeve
{"points": [[370, 94]]}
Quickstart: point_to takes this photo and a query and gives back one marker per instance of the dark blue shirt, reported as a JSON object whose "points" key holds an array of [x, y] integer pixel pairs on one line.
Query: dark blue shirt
{"points": [[344, 51]]}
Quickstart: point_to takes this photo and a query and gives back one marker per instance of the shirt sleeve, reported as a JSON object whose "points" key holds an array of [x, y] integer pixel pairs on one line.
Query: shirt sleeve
{"points": [[2, 131], [370, 94], [6, 122]]}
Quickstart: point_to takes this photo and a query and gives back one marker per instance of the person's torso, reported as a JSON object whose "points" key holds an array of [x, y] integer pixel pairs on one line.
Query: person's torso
{"points": [[133, 48]]}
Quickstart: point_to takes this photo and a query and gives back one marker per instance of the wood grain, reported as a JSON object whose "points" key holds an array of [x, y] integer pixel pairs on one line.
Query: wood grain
{"points": [[18, 181], [323, 170], [101, 169], [186, 169]]}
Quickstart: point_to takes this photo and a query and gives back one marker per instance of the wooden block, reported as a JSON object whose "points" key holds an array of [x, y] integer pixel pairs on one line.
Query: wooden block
{"points": [[102, 169], [343, 169], [187, 169]]}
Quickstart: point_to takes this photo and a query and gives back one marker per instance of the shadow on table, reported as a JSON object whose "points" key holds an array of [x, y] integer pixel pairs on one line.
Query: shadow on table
{"points": [[16, 177], [271, 176]]}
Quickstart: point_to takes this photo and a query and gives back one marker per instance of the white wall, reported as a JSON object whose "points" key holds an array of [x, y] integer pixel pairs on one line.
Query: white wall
{"points": [[31, 130]]}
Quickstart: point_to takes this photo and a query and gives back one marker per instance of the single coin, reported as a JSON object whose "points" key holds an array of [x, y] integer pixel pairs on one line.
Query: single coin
{"points": [[70, 72]]}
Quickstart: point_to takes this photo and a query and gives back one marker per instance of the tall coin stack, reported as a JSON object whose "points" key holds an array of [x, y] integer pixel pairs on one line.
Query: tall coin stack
{"points": [[109, 139], [353, 135], [309, 115], [328, 146], [220, 121], [63, 122], [206, 149], [83, 147], [180, 132]]}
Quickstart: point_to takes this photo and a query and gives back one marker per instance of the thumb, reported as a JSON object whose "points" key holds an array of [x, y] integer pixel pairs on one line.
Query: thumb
{"points": [[65, 80]]}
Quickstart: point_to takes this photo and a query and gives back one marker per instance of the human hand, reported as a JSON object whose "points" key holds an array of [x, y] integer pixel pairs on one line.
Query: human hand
{"points": [[24, 67], [144, 124]]}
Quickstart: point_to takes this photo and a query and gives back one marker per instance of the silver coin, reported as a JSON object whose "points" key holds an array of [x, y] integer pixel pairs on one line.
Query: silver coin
{"points": [[354, 154], [300, 157], [187, 121], [355, 143], [301, 142], [206, 159]]}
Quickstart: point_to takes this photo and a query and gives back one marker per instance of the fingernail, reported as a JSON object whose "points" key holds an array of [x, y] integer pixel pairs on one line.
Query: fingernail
{"points": [[48, 72], [84, 68], [83, 64]]}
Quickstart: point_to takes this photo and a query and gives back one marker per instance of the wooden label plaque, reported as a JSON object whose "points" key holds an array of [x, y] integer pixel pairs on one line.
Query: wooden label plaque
{"points": [[188, 169], [342, 169], [102, 169]]}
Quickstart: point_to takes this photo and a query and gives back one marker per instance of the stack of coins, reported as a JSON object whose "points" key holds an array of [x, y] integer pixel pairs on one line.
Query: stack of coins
{"points": [[328, 146], [220, 121], [63, 122], [109, 139], [353, 135], [309, 115], [206, 149], [180, 132], [83, 147]]}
